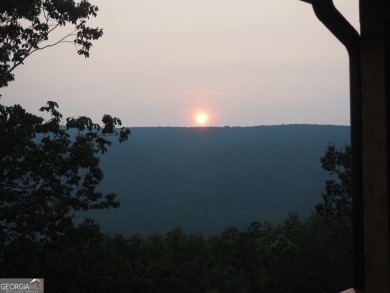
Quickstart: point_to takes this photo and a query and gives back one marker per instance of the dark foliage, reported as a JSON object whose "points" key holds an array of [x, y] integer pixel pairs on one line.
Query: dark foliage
{"points": [[296, 256], [27, 26], [337, 201], [45, 175]]}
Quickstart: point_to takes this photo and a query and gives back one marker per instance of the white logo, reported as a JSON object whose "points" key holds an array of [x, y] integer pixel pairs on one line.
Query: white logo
{"points": [[21, 286]]}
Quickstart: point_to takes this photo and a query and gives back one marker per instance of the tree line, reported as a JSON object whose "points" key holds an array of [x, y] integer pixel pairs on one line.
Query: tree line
{"points": [[299, 255], [46, 177]]}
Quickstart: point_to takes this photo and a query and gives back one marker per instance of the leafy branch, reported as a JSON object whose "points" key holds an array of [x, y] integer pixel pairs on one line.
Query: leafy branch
{"points": [[26, 26]]}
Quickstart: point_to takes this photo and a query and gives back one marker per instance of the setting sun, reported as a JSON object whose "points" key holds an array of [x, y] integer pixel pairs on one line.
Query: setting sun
{"points": [[201, 118]]}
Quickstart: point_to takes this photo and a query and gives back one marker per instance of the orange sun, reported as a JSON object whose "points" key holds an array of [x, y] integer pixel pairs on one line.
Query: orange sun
{"points": [[201, 118]]}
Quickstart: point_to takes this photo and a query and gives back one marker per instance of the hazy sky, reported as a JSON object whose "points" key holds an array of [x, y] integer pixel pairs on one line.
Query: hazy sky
{"points": [[248, 62]]}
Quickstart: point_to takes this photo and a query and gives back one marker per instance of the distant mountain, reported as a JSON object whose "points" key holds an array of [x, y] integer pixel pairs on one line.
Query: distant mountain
{"points": [[205, 179]]}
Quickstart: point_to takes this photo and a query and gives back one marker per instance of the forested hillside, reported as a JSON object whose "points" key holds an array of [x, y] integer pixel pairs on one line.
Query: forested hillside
{"points": [[206, 179], [203, 179]]}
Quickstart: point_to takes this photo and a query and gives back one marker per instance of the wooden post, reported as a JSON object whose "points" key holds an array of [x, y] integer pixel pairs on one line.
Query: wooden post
{"points": [[375, 122]]}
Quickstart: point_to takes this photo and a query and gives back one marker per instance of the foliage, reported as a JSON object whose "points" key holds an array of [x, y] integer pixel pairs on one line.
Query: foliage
{"points": [[27, 25], [297, 256], [337, 201], [48, 172]]}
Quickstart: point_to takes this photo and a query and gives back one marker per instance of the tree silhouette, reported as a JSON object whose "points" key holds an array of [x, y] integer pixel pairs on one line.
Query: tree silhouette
{"points": [[48, 171], [27, 26], [338, 196]]}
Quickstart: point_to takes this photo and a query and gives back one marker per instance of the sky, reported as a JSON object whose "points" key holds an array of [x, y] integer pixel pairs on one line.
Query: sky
{"points": [[160, 63]]}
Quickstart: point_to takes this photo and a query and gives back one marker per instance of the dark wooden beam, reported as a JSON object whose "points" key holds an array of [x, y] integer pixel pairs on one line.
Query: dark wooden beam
{"points": [[370, 126], [375, 68], [327, 13]]}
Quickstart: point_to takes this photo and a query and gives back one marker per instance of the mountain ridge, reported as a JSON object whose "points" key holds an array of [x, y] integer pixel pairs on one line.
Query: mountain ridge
{"points": [[205, 179]]}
